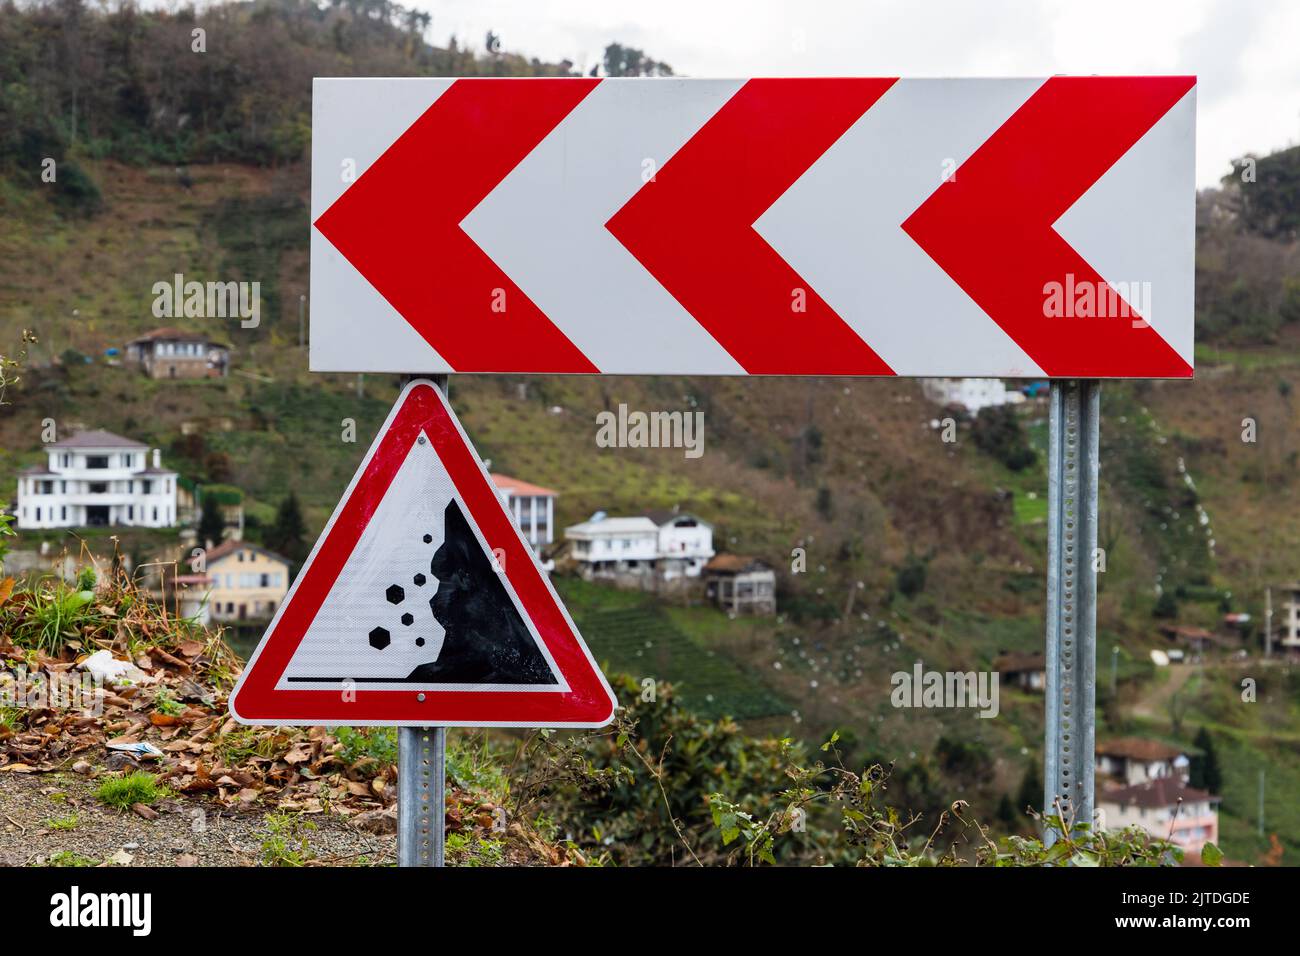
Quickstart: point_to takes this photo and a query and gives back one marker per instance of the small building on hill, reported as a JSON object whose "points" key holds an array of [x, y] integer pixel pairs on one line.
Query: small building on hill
{"points": [[532, 506], [247, 582], [1289, 627], [97, 479], [1144, 783], [1026, 671], [172, 353], [1139, 759], [685, 544], [1167, 807], [614, 548], [740, 584]]}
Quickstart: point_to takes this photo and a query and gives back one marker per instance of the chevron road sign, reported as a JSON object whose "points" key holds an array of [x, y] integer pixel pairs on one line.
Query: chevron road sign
{"points": [[976, 227]]}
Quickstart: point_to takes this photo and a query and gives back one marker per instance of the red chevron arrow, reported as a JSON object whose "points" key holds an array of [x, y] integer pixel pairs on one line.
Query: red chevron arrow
{"points": [[692, 227], [991, 226], [399, 224]]}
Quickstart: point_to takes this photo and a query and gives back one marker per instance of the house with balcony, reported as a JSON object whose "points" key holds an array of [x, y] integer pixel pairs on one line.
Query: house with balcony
{"points": [[1144, 783], [171, 353], [245, 582], [1289, 630], [685, 544], [618, 549], [739, 584], [97, 479], [532, 506]]}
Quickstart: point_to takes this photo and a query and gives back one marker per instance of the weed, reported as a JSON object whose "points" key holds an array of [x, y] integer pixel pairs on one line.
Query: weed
{"points": [[123, 792], [167, 705], [377, 744], [70, 822], [68, 858], [285, 844], [468, 850]]}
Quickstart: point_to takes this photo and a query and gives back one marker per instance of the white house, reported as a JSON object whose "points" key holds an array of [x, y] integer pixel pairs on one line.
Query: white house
{"points": [[660, 546], [608, 547], [971, 393], [533, 508], [97, 478], [1144, 783], [685, 544], [1135, 760]]}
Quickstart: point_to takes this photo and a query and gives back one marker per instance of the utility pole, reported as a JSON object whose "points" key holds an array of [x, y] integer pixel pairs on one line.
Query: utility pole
{"points": [[1261, 801], [1268, 622], [1114, 671]]}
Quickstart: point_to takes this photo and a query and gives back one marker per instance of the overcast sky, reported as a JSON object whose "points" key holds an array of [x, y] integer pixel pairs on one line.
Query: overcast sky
{"points": [[1245, 52]]}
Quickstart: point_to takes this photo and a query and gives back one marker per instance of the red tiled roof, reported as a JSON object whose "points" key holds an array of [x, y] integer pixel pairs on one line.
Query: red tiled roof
{"points": [[1012, 663], [170, 334], [734, 564], [1160, 792], [1138, 748], [516, 487]]}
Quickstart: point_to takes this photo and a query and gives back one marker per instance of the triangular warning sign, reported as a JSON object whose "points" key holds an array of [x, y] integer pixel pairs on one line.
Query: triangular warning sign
{"points": [[422, 604]]}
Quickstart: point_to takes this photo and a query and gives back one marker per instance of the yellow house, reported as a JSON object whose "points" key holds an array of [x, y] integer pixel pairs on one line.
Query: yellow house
{"points": [[248, 582]]}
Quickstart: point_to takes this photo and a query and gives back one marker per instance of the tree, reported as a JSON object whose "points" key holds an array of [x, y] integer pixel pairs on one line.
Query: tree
{"points": [[1031, 789], [1204, 772], [997, 432], [212, 523], [288, 536]]}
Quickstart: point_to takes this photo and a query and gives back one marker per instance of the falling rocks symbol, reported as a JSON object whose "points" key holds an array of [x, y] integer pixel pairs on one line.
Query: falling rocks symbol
{"points": [[486, 640]]}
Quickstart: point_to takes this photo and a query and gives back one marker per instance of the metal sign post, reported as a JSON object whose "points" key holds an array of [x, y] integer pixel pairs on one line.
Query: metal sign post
{"points": [[1072, 474], [421, 784]]}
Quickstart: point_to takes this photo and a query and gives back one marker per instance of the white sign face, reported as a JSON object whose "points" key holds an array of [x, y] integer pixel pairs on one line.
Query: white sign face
{"points": [[851, 226]]}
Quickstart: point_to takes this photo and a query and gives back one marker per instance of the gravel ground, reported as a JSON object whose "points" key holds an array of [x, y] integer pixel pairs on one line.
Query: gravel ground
{"points": [[187, 832]]}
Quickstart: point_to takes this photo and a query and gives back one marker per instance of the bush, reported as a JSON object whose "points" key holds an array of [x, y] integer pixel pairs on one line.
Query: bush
{"points": [[997, 432]]}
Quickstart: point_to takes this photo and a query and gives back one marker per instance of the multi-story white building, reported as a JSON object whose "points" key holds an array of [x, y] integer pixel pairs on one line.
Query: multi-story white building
{"points": [[972, 394], [533, 508], [685, 544], [95, 479], [1144, 783], [661, 545]]}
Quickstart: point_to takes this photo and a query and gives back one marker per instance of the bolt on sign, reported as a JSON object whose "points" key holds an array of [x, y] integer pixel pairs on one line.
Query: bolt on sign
{"points": [[847, 226], [422, 604]]}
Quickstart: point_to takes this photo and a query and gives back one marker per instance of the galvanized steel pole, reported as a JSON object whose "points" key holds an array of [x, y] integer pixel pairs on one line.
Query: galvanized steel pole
{"points": [[1072, 475], [421, 783]]}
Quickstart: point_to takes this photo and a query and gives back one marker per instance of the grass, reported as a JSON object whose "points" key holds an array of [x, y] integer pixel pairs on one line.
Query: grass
{"points": [[69, 822], [286, 843], [69, 858], [126, 791], [373, 745], [466, 850], [644, 642]]}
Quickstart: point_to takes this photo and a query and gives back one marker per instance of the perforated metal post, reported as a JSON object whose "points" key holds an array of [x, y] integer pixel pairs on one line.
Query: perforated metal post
{"points": [[421, 783], [1072, 475], [421, 778]]}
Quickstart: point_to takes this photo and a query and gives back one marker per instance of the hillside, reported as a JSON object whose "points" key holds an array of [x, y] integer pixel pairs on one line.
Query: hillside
{"points": [[849, 470]]}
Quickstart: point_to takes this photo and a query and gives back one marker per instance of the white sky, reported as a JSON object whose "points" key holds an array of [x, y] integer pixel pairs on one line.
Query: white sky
{"points": [[1246, 53]]}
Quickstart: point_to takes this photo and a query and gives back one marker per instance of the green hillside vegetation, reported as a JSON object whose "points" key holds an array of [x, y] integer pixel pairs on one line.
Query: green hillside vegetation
{"points": [[915, 549]]}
